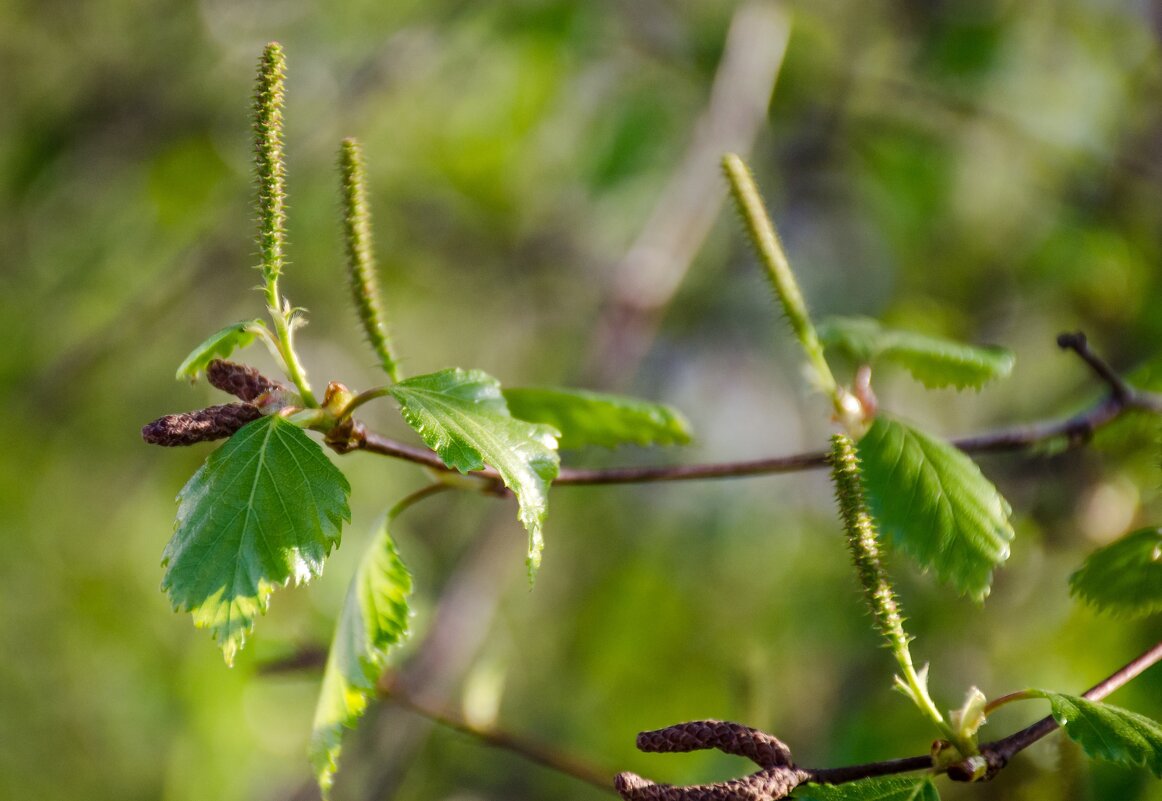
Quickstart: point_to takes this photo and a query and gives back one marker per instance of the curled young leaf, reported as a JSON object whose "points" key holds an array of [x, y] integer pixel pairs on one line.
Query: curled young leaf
{"points": [[219, 345]]}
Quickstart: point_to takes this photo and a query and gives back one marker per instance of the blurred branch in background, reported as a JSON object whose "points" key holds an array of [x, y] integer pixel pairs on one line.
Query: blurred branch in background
{"points": [[645, 280]]}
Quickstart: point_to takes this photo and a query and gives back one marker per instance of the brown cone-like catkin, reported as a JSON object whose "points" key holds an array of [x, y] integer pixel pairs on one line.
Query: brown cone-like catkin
{"points": [[244, 383], [188, 428], [765, 750]]}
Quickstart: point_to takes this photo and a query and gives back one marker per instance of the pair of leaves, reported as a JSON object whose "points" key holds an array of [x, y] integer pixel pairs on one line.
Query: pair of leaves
{"points": [[267, 506], [462, 416], [883, 788], [469, 421], [1124, 577], [932, 361], [935, 504]]}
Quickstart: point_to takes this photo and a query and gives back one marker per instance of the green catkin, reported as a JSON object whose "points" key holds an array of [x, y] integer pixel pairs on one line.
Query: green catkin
{"points": [[778, 269], [863, 543], [270, 165], [270, 172], [361, 268]]}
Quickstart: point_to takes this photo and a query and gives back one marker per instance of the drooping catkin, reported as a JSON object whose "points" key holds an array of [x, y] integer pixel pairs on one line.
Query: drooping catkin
{"points": [[863, 542]]}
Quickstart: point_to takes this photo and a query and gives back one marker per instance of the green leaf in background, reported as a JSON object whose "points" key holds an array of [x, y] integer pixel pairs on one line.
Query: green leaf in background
{"points": [[374, 618], [1124, 577], [593, 418], [933, 361], [1109, 732], [265, 508], [935, 504], [883, 788], [463, 417], [219, 345]]}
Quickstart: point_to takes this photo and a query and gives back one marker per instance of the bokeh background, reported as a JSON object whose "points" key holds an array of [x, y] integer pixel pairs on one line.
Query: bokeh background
{"points": [[547, 208]]}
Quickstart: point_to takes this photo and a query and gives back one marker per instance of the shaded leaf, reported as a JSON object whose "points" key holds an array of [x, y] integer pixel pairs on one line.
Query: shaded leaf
{"points": [[219, 345], [1109, 732], [1124, 577], [935, 504], [463, 417], [594, 418], [374, 618], [933, 361], [883, 788], [265, 508]]}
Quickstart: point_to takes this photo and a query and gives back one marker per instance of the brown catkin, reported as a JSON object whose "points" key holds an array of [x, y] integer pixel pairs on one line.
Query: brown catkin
{"points": [[188, 428], [244, 383], [766, 785], [765, 750]]}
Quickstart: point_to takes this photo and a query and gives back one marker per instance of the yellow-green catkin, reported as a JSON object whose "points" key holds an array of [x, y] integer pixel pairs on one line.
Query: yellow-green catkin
{"points": [[863, 543], [270, 165], [778, 269], [361, 267]]}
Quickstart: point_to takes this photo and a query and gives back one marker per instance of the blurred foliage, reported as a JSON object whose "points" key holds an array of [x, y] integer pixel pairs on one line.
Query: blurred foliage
{"points": [[990, 171]]}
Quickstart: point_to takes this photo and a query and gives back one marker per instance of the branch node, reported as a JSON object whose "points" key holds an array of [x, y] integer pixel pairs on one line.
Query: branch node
{"points": [[1077, 342]]}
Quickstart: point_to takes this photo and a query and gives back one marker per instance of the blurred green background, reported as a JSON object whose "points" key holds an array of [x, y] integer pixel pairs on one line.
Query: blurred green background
{"points": [[990, 170]]}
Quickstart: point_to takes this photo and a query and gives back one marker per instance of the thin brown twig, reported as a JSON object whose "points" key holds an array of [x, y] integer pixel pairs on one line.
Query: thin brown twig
{"points": [[1075, 430], [497, 738], [996, 753]]}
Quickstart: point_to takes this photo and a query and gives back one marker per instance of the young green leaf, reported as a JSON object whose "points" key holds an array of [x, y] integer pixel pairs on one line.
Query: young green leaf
{"points": [[1109, 732], [219, 345], [935, 504], [374, 618], [883, 788], [1124, 577], [593, 418], [265, 508], [462, 416], [932, 361]]}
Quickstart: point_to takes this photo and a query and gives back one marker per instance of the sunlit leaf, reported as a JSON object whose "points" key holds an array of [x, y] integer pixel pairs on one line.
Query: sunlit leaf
{"points": [[1124, 577], [1109, 732], [462, 416], [883, 788], [265, 508], [933, 361], [374, 618], [935, 505], [593, 418], [219, 345]]}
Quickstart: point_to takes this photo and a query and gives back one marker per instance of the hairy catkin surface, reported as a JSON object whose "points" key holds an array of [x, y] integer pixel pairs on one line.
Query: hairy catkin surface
{"points": [[776, 780], [766, 785], [188, 428], [244, 383], [763, 749]]}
